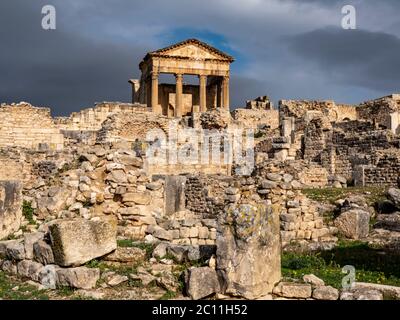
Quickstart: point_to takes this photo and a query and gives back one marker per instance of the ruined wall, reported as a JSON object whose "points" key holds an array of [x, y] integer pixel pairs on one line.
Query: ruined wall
{"points": [[381, 111], [254, 118], [91, 119], [345, 145], [383, 170], [26, 126], [130, 126], [299, 217]]}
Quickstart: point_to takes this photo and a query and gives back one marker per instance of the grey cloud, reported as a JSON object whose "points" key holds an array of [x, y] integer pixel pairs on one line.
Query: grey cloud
{"points": [[98, 44], [351, 57]]}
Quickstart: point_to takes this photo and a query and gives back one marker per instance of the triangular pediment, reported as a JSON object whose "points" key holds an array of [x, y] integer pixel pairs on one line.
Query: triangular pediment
{"points": [[193, 49]]}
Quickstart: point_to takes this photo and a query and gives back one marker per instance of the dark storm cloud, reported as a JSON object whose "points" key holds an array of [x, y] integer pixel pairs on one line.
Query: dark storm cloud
{"points": [[352, 57], [59, 69], [283, 48]]}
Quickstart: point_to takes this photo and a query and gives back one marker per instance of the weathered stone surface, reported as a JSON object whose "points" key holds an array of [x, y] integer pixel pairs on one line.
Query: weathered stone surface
{"points": [[48, 276], [313, 280], [124, 255], [15, 250], [274, 177], [162, 234], [325, 293], [293, 290], [9, 267], [394, 196], [201, 282], [3, 247], [167, 281], [389, 292], [75, 242], [144, 277], [43, 253], [114, 279], [80, 277], [160, 251], [248, 250], [361, 294], [29, 269], [353, 224], [29, 240], [10, 207], [137, 197]]}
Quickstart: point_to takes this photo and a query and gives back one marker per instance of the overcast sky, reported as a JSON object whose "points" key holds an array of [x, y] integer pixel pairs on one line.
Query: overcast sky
{"points": [[283, 48]]}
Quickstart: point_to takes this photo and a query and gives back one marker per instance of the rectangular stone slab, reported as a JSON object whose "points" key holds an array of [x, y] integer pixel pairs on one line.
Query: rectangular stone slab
{"points": [[77, 241], [10, 207]]}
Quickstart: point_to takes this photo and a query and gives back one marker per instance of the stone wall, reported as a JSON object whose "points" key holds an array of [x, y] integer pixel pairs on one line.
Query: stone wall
{"points": [[383, 170], [130, 126], [256, 118], [26, 126], [383, 111], [91, 119]]}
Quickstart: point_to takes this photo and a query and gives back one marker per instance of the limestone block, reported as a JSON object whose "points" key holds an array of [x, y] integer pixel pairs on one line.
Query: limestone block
{"points": [[29, 269], [325, 293], [80, 277], [43, 253], [77, 241], [353, 224], [293, 290], [248, 251], [10, 207], [201, 282], [29, 240]]}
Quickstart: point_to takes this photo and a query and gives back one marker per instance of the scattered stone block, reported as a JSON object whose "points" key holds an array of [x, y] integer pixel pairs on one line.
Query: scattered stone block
{"points": [[75, 242]]}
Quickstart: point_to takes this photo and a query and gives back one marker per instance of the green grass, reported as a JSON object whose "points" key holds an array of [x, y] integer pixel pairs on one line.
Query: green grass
{"points": [[371, 265], [372, 194], [65, 291], [149, 248], [123, 269], [28, 211], [168, 295], [20, 292]]}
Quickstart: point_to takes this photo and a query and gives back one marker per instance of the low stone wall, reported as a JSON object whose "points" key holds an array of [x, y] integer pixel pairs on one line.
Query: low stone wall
{"points": [[25, 126], [255, 118], [91, 119], [385, 170]]}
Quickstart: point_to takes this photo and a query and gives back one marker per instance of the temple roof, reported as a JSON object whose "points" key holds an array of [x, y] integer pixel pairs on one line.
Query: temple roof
{"points": [[191, 48]]}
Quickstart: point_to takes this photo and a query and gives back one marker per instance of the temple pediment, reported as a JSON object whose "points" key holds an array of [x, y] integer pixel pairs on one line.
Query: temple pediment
{"points": [[192, 49]]}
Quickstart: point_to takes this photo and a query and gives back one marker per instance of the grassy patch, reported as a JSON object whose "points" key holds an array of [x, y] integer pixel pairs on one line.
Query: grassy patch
{"points": [[168, 295], [12, 290], [149, 248], [28, 211], [372, 194], [65, 291], [122, 269], [371, 265]]}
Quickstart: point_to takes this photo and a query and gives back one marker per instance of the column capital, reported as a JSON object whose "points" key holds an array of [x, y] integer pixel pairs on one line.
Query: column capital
{"points": [[202, 76], [178, 76], [154, 75]]}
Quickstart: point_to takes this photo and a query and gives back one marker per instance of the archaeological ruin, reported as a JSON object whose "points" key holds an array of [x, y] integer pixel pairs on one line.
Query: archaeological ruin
{"points": [[177, 177]]}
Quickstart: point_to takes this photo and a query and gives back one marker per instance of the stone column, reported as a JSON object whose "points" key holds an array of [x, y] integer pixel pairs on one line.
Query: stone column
{"points": [[154, 92], [225, 93], [203, 94], [147, 95], [178, 95], [220, 95]]}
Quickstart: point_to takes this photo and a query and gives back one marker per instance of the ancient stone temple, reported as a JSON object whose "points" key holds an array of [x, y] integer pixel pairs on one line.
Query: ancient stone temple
{"points": [[189, 57]]}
